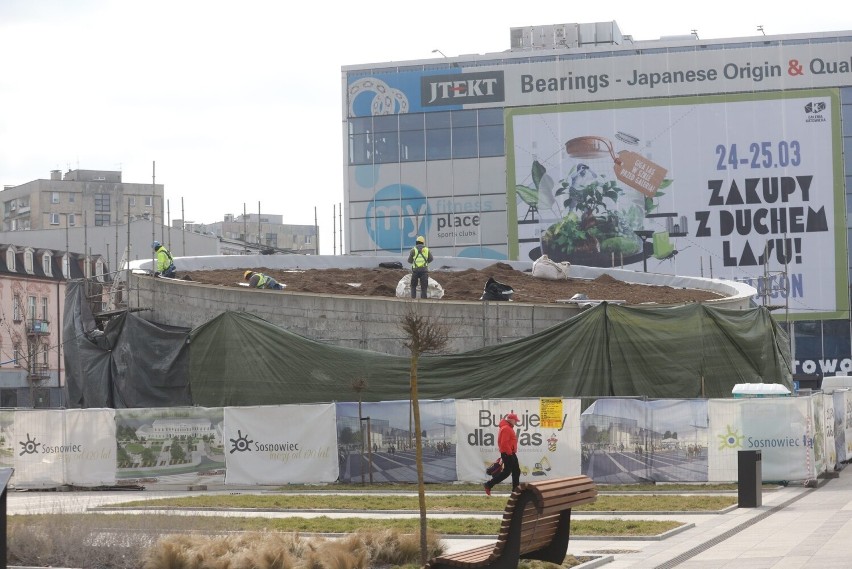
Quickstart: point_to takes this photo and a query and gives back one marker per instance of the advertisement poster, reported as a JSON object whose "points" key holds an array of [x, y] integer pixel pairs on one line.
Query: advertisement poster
{"points": [[282, 444], [626, 441], [176, 445], [741, 187], [89, 448], [781, 428], [38, 441], [382, 449], [542, 452]]}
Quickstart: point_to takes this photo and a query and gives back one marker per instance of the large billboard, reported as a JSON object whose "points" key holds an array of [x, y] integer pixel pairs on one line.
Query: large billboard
{"points": [[741, 187]]}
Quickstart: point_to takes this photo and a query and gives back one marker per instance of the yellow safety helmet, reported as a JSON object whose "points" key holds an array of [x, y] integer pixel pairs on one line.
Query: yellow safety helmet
{"points": [[247, 275], [420, 239]]}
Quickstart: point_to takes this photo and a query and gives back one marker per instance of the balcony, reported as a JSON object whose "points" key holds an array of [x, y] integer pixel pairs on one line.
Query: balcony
{"points": [[39, 372], [37, 327]]}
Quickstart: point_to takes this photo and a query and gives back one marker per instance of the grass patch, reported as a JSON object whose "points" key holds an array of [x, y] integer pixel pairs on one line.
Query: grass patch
{"points": [[160, 524], [604, 503], [465, 487]]}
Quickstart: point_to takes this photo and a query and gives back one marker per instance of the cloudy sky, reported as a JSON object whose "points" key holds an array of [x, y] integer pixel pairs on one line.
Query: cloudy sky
{"points": [[239, 103]]}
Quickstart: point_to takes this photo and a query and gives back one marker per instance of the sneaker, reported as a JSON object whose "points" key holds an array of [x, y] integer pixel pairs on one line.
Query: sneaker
{"points": [[487, 489]]}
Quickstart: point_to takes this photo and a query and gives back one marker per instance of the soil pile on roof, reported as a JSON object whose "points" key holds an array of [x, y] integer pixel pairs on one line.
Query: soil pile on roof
{"points": [[459, 285]]}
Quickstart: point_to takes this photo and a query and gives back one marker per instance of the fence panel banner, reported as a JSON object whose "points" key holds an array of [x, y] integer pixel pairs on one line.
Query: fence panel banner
{"points": [[89, 447], [542, 452], [626, 441], [781, 428], [8, 448], [382, 449], [847, 420], [282, 444], [839, 398], [175, 445], [828, 425], [38, 439]]}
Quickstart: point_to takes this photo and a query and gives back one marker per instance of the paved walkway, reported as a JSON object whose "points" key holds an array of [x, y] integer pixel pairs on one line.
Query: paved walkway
{"points": [[794, 527]]}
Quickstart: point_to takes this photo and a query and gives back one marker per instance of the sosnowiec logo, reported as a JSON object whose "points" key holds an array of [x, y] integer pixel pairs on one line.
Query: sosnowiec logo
{"points": [[462, 88], [241, 443], [731, 439], [30, 446]]}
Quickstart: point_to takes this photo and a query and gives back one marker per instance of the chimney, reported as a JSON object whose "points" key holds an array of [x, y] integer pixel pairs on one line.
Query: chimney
{"points": [[56, 175]]}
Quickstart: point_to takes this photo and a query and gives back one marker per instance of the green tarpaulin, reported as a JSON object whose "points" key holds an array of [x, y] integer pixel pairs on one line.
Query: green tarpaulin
{"points": [[609, 350]]}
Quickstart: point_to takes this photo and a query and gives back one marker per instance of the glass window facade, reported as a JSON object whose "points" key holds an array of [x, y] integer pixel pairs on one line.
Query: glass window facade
{"points": [[418, 137]]}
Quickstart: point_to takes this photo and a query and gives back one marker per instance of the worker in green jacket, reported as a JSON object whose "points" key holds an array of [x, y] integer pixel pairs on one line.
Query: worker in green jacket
{"points": [[259, 280], [419, 257], [165, 264]]}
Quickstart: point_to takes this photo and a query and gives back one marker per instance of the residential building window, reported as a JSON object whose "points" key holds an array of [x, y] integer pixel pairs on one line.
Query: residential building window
{"points": [[308, 240], [66, 266], [101, 219], [131, 201], [149, 201], [54, 219], [99, 269], [31, 307], [44, 307], [10, 258], [102, 203], [45, 355], [72, 219], [54, 197], [71, 198], [28, 261], [16, 309], [46, 264], [16, 355]]}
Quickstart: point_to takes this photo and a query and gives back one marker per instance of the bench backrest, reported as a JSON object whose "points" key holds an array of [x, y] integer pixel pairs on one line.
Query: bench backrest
{"points": [[540, 505]]}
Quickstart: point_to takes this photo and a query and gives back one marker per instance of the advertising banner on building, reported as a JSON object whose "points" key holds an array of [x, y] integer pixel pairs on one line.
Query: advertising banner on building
{"points": [[283, 444], [382, 448], [626, 441], [783, 429], [38, 437], [742, 187], [542, 452], [175, 445]]}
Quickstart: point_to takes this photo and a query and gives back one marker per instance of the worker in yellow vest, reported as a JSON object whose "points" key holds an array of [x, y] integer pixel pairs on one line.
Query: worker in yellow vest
{"points": [[419, 258]]}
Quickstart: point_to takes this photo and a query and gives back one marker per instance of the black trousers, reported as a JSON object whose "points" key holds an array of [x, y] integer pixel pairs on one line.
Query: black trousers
{"points": [[421, 276], [512, 467]]}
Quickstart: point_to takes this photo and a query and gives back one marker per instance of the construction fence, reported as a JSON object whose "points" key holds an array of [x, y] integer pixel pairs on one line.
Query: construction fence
{"points": [[614, 440]]}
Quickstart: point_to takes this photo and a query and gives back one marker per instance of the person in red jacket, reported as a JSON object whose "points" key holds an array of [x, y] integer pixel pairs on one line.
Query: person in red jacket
{"points": [[507, 444]]}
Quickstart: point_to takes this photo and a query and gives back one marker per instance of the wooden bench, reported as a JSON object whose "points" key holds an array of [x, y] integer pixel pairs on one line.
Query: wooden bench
{"points": [[536, 524]]}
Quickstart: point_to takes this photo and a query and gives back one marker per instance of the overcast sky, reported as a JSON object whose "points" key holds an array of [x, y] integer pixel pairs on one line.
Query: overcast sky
{"points": [[239, 103]]}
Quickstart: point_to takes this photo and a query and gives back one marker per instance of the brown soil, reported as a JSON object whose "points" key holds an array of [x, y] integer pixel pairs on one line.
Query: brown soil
{"points": [[460, 285]]}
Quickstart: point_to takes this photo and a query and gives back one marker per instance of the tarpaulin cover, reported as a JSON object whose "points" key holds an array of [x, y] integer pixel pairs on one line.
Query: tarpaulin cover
{"points": [[131, 363], [609, 350]]}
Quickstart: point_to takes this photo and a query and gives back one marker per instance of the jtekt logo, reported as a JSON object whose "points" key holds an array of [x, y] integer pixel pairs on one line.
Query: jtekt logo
{"points": [[462, 88]]}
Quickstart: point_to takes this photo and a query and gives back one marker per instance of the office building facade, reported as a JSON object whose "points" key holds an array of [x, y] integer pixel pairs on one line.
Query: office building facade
{"points": [[723, 158]]}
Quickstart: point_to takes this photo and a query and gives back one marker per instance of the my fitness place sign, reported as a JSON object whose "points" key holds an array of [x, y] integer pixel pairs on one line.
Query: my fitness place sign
{"points": [[708, 70]]}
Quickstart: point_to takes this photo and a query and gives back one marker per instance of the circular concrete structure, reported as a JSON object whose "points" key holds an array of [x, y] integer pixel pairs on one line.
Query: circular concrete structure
{"points": [[372, 323]]}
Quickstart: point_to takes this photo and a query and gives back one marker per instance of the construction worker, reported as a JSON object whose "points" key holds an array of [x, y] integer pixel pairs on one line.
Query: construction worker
{"points": [[419, 257], [165, 265], [259, 280]]}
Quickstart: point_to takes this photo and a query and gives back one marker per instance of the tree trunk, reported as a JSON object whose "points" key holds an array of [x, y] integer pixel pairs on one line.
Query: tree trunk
{"points": [[418, 441]]}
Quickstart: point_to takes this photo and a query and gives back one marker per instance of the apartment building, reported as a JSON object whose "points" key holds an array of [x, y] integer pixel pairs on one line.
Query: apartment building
{"points": [[79, 198]]}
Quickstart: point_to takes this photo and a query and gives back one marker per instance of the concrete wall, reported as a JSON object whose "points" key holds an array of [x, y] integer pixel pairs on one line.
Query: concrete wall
{"points": [[365, 322]]}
